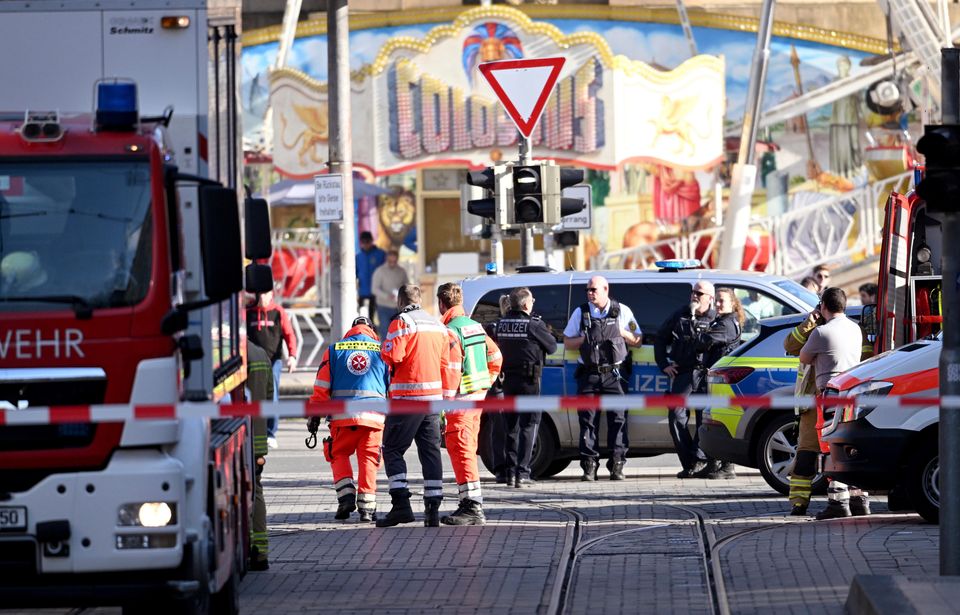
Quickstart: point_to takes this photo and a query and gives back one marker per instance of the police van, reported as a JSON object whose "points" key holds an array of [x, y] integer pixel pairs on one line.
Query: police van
{"points": [[652, 295]]}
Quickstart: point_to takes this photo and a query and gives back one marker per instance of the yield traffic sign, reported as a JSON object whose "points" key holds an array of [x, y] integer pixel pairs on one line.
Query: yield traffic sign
{"points": [[523, 87]]}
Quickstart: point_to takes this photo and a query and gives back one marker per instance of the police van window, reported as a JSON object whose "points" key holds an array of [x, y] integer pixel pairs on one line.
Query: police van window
{"points": [[758, 305], [770, 346], [551, 303], [651, 304]]}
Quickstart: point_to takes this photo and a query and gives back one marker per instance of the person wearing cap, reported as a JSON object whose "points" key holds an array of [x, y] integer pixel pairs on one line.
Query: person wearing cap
{"points": [[353, 369]]}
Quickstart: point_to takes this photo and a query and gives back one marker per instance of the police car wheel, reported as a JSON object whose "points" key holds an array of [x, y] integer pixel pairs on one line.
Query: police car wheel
{"points": [[923, 479], [776, 450], [544, 449]]}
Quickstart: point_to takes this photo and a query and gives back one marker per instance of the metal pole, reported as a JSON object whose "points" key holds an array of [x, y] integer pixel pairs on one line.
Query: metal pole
{"points": [[737, 220], [343, 273], [496, 250], [526, 237], [950, 354]]}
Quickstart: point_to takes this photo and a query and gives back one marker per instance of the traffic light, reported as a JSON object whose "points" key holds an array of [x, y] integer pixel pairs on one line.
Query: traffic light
{"points": [[486, 179], [569, 206], [528, 194], [940, 187]]}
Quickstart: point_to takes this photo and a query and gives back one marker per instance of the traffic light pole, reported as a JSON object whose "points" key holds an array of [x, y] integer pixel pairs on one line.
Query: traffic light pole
{"points": [[950, 354], [526, 237]]}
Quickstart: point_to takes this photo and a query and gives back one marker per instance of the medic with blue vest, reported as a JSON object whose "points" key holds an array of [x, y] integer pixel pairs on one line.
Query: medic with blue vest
{"points": [[352, 369]]}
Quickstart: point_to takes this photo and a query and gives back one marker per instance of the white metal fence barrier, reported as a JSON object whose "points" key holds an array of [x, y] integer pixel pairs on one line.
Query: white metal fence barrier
{"points": [[818, 228]]}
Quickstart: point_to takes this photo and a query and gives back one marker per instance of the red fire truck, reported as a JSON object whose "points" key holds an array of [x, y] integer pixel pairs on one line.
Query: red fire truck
{"points": [[122, 266]]}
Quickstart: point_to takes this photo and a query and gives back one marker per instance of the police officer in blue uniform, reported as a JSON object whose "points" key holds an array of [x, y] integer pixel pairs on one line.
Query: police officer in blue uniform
{"points": [[524, 342], [602, 329]]}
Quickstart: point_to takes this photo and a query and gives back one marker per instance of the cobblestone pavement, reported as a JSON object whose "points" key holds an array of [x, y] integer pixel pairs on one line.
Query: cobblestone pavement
{"points": [[649, 544]]}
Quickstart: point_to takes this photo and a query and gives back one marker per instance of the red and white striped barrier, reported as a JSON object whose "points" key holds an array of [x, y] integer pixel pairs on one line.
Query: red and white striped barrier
{"points": [[125, 412]]}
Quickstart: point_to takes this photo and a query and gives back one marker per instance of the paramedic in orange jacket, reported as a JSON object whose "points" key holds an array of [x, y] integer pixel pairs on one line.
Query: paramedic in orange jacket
{"points": [[353, 369], [476, 360], [417, 351]]}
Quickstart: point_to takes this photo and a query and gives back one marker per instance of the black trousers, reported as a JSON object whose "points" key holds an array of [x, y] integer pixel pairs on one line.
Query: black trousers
{"points": [[617, 438], [687, 446], [521, 432], [400, 431], [497, 432]]}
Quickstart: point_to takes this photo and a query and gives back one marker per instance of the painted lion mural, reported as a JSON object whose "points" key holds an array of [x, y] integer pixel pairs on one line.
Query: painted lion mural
{"points": [[397, 213]]}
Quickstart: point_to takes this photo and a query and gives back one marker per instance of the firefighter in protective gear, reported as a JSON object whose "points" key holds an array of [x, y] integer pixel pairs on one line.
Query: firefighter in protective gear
{"points": [[417, 352], [524, 340], [808, 445], [477, 360], [353, 369], [844, 351], [260, 388]]}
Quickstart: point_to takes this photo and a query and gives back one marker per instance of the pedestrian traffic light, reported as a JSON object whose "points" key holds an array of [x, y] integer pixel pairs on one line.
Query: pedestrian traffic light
{"points": [[528, 197], [940, 186], [487, 206]]}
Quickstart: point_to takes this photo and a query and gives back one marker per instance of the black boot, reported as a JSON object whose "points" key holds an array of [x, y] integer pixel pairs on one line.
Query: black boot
{"points": [[726, 471], [589, 465], [835, 509], [693, 470], [469, 512], [860, 505], [711, 467], [400, 511], [616, 468], [348, 504], [367, 516], [258, 563], [798, 510], [431, 512]]}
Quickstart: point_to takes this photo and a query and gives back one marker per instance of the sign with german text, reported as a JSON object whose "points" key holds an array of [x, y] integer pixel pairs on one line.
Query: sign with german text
{"points": [[328, 198]]}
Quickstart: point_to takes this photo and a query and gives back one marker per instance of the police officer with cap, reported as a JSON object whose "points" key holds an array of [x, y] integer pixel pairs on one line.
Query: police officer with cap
{"points": [[602, 329], [524, 341]]}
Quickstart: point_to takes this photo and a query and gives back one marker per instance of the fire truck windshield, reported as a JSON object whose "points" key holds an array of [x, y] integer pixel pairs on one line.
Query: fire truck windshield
{"points": [[78, 228]]}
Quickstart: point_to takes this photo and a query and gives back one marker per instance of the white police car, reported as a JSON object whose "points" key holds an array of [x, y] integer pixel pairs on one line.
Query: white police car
{"points": [[653, 295]]}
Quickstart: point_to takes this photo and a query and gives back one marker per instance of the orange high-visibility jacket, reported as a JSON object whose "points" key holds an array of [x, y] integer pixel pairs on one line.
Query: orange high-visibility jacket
{"points": [[417, 350], [494, 358]]}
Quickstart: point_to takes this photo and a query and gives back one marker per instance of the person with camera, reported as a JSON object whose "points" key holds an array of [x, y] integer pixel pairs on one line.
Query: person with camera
{"points": [[679, 355], [827, 343], [601, 329], [524, 341]]}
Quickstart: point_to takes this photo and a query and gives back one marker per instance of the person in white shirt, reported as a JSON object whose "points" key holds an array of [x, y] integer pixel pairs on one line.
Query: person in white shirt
{"points": [[602, 329]]}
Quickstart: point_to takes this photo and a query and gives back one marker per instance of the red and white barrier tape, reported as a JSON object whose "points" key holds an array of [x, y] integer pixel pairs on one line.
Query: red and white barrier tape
{"points": [[554, 403]]}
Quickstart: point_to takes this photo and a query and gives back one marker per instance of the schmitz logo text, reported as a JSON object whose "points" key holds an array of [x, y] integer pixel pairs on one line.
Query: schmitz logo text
{"points": [[131, 25], [34, 344]]}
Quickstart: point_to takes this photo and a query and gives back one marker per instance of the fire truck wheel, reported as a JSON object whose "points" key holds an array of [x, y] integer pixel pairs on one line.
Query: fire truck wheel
{"points": [[227, 600]]}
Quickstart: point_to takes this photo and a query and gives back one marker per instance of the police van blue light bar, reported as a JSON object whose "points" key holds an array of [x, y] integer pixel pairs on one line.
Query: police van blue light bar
{"points": [[677, 264], [116, 105]]}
